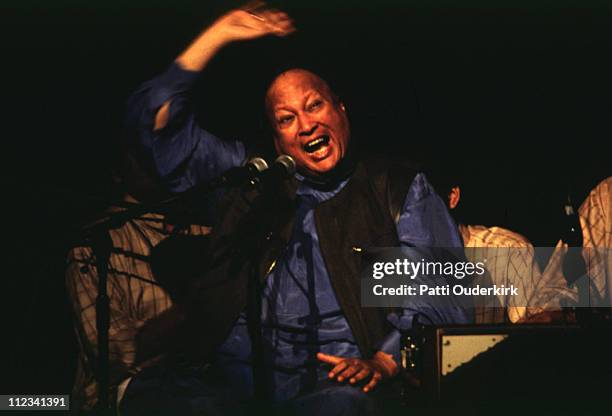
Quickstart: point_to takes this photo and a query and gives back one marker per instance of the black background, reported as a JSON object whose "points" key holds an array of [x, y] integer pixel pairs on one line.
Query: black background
{"points": [[517, 94]]}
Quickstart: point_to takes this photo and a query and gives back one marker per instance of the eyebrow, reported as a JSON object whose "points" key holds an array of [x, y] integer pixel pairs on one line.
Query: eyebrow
{"points": [[308, 95]]}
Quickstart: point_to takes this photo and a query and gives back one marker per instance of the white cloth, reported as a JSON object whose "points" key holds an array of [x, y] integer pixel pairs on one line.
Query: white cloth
{"points": [[595, 216], [510, 261]]}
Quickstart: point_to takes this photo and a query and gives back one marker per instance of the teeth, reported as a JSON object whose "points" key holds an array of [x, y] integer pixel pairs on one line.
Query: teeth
{"points": [[310, 146], [315, 142]]}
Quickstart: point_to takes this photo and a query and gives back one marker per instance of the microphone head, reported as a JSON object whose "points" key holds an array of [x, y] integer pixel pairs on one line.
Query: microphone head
{"points": [[258, 163], [287, 163]]}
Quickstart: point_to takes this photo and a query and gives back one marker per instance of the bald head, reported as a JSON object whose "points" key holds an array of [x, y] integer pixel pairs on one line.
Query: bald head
{"points": [[286, 82], [308, 120]]}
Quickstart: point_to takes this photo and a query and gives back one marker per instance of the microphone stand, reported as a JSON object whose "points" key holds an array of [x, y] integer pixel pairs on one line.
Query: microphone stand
{"points": [[260, 228], [259, 211], [262, 222], [101, 245]]}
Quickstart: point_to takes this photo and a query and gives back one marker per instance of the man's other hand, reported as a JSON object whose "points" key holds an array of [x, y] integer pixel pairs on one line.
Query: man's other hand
{"points": [[380, 366]]}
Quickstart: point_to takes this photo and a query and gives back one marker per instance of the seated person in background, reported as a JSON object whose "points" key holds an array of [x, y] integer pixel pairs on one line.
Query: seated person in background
{"points": [[595, 216], [136, 296], [589, 281], [510, 258]]}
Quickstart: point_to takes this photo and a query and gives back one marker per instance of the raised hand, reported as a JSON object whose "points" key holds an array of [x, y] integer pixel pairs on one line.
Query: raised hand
{"points": [[250, 22]]}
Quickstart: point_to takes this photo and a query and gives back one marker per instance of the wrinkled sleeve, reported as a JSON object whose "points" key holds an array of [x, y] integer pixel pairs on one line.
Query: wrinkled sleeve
{"points": [[425, 223], [425, 220], [182, 153]]}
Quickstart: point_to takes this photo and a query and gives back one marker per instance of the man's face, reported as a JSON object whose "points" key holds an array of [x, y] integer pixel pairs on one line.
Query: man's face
{"points": [[310, 125]]}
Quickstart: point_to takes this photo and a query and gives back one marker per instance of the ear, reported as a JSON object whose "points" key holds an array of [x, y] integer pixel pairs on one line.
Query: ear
{"points": [[453, 197]]}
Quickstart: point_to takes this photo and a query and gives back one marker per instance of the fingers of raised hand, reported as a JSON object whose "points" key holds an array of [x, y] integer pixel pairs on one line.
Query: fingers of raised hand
{"points": [[268, 20], [277, 22]]}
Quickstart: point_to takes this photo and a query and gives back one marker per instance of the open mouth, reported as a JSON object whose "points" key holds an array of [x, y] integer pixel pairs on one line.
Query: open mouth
{"points": [[316, 144]]}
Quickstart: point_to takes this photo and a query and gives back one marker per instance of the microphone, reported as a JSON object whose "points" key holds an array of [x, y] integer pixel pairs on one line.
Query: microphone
{"points": [[237, 176], [240, 175], [283, 168]]}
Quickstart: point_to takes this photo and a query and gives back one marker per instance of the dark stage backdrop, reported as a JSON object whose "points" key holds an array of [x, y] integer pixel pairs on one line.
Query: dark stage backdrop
{"points": [[518, 95]]}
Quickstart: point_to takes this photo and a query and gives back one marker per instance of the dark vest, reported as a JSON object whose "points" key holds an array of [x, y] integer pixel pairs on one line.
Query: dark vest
{"points": [[363, 214]]}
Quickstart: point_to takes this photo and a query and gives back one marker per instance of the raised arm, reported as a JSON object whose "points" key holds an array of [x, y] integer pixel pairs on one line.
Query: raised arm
{"points": [[174, 145]]}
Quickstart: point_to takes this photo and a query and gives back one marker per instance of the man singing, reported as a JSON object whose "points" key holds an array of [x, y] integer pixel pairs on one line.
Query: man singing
{"points": [[323, 352]]}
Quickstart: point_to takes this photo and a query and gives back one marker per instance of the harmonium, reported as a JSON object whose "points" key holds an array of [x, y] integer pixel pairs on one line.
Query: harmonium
{"points": [[449, 364]]}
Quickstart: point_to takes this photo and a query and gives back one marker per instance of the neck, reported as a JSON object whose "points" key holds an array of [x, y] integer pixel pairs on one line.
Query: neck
{"points": [[330, 179]]}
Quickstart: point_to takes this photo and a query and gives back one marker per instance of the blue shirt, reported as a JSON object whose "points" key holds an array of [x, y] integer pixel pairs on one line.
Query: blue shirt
{"points": [[300, 312]]}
